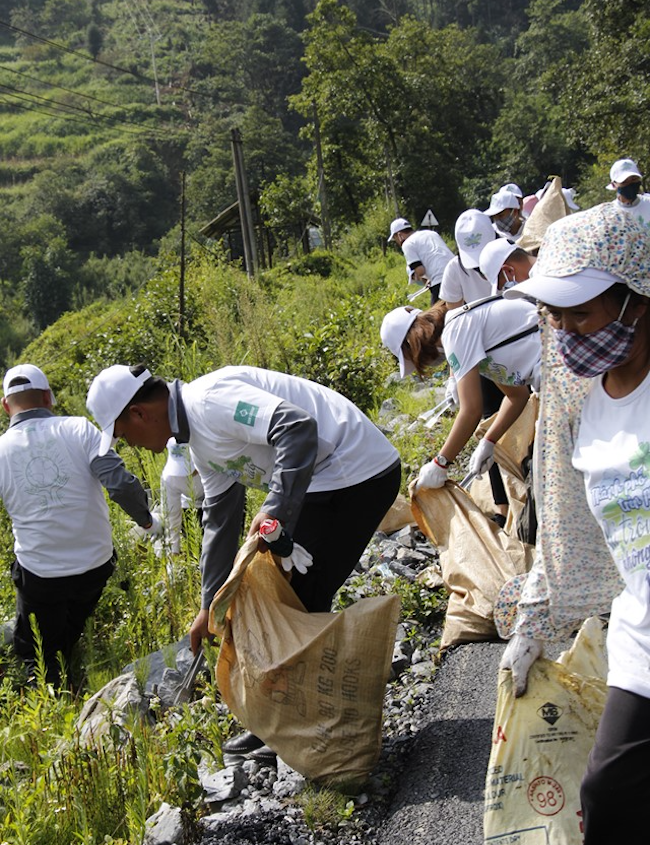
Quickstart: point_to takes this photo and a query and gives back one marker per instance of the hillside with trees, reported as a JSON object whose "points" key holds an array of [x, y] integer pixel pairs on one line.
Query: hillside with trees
{"points": [[109, 108]]}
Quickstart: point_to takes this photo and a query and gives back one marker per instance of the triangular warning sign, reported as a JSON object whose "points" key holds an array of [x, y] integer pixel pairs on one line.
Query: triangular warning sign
{"points": [[429, 219]]}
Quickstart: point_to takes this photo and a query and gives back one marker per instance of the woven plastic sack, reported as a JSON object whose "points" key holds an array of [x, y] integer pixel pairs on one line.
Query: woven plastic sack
{"points": [[540, 746], [476, 559], [398, 516], [311, 685]]}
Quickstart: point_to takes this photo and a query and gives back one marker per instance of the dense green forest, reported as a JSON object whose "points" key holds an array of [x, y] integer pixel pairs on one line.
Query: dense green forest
{"points": [[109, 106]]}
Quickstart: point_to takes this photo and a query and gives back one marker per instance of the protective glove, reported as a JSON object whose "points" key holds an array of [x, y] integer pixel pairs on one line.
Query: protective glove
{"points": [[155, 530], [482, 457], [451, 392], [300, 560], [431, 476], [520, 654], [292, 555]]}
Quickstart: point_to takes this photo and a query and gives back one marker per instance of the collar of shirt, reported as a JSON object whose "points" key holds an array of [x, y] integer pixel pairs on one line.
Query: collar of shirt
{"points": [[33, 413], [177, 415]]}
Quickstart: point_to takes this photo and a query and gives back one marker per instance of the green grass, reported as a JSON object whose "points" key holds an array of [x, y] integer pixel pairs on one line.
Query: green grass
{"points": [[60, 792]]}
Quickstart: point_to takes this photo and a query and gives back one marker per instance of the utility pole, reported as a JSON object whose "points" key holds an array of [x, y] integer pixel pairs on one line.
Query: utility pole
{"points": [[181, 285], [244, 200], [322, 193], [391, 181]]}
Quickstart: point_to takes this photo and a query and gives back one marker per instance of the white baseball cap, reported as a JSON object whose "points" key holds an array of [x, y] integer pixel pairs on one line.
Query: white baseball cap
{"points": [[502, 200], [570, 198], [35, 380], [398, 225], [514, 189], [472, 232], [622, 170], [394, 329], [493, 258], [109, 394]]}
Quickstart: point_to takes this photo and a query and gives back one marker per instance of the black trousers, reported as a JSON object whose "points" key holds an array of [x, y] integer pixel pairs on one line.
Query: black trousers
{"points": [[61, 607], [492, 398], [335, 528], [615, 790]]}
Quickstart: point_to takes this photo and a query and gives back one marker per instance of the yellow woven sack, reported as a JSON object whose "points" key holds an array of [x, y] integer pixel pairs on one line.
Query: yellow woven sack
{"points": [[311, 685], [540, 746]]}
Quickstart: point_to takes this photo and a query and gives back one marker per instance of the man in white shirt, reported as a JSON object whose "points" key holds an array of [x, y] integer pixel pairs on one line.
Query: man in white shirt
{"points": [[51, 483], [329, 474], [461, 281], [425, 252]]}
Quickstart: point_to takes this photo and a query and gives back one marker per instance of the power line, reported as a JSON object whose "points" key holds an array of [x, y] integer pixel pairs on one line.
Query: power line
{"points": [[98, 61], [59, 87], [60, 116], [87, 111]]}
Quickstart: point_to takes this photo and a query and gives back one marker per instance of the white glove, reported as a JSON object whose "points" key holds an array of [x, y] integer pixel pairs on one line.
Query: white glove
{"points": [[451, 392], [156, 529], [299, 559], [482, 457], [520, 654], [432, 476]]}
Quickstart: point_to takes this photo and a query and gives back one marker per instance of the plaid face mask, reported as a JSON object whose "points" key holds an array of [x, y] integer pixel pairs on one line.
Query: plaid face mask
{"points": [[589, 355]]}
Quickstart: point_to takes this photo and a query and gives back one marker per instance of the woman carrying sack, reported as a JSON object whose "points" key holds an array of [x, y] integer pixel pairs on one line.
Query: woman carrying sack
{"points": [[593, 279]]}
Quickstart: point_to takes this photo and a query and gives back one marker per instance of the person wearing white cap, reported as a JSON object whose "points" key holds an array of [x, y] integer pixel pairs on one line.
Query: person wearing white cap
{"points": [[504, 264], [328, 473], [492, 337], [180, 489], [593, 279], [627, 180], [461, 281], [505, 213], [425, 252], [52, 480], [516, 190]]}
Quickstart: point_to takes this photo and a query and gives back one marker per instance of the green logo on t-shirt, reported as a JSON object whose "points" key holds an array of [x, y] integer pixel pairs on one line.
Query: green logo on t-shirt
{"points": [[245, 413], [454, 363]]}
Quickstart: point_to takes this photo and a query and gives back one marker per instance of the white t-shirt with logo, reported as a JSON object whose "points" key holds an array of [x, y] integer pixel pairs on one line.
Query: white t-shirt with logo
{"points": [[229, 413], [612, 451], [57, 506], [469, 334], [179, 460], [463, 284], [640, 209], [429, 249]]}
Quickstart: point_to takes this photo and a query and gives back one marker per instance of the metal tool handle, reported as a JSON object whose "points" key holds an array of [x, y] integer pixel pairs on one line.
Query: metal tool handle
{"points": [[184, 692]]}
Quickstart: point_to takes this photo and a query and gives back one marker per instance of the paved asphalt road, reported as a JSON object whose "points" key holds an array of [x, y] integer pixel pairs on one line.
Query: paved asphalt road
{"points": [[440, 800]]}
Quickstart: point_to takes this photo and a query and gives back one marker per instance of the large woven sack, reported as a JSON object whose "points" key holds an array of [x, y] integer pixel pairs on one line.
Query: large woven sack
{"points": [[540, 746], [311, 685], [476, 559], [399, 515]]}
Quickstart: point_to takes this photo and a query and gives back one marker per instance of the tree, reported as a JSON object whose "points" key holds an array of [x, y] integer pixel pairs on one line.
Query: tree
{"points": [[530, 139], [47, 280], [94, 39], [608, 92], [414, 108]]}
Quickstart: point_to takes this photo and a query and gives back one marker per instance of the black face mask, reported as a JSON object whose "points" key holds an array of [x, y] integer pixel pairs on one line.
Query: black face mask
{"points": [[630, 192]]}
